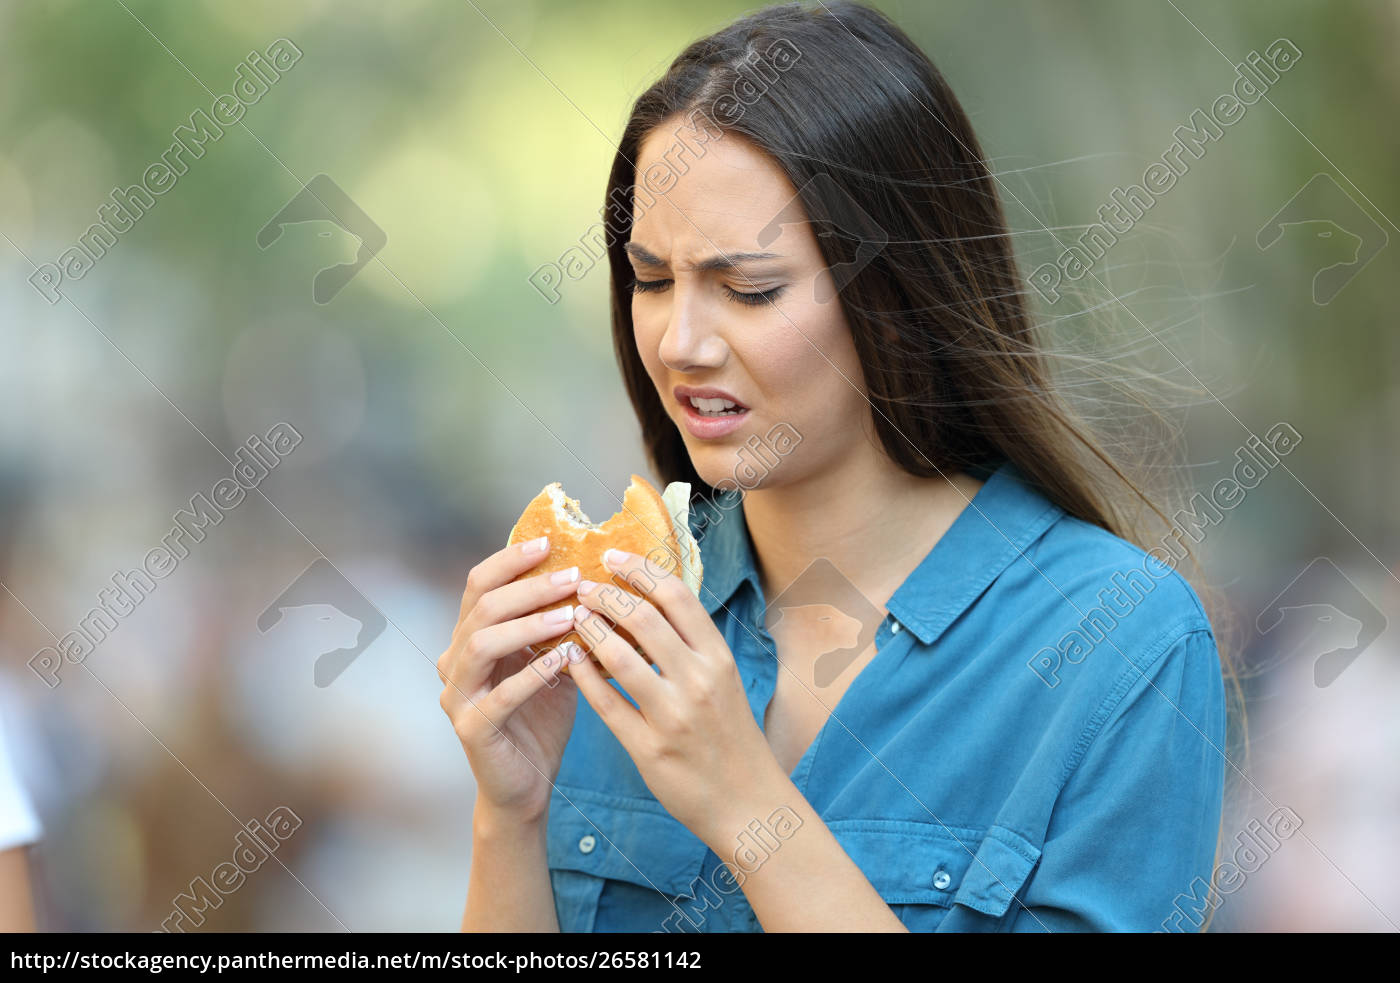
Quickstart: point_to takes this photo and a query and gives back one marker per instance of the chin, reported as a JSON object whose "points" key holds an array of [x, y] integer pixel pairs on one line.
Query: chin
{"points": [[727, 468]]}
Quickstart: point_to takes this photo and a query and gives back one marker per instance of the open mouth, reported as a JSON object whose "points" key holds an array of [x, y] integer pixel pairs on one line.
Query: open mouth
{"points": [[710, 413], [716, 407]]}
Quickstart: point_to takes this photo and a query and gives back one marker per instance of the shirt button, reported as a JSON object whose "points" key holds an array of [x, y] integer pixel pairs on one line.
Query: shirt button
{"points": [[941, 880], [587, 844], [894, 627]]}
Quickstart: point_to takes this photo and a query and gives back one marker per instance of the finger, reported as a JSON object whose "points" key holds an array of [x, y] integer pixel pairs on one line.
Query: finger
{"points": [[541, 673], [622, 660], [501, 568], [470, 660], [475, 715], [650, 576], [642, 620], [521, 597], [619, 716]]}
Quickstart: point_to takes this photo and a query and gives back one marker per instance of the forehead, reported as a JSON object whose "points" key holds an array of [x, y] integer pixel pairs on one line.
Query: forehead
{"points": [[693, 196]]}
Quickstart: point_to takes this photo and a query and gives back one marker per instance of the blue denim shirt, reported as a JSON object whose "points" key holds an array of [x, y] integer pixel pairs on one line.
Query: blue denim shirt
{"points": [[1037, 744]]}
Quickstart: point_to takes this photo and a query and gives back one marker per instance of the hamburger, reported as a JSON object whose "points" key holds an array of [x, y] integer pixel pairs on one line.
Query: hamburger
{"points": [[651, 524]]}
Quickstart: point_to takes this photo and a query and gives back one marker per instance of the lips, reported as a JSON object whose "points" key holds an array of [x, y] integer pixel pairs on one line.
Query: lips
{"points": [[709, 412], [709, 401]]}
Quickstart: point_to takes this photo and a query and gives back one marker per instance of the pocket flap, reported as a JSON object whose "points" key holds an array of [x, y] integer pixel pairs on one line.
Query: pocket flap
{"points": [[908, 862], [622, 838], [927, 863]]}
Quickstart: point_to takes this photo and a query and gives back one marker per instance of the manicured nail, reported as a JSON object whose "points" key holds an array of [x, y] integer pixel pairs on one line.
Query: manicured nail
{"points": [[559, 616], [573, 652], [547, 659], [614, 558], [585, 586], [536, 545], [564, 576]]}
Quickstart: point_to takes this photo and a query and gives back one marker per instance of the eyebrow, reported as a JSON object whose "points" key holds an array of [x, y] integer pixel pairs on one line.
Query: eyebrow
{"points": [[647, 257]]}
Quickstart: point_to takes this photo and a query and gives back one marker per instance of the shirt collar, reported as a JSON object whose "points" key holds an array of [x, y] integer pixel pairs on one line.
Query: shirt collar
{"points": [[1005, 516]]}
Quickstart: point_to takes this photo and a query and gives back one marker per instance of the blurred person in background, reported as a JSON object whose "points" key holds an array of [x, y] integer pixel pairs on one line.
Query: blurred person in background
{"points": [[980, 777], [20, 827], [19, 830]]}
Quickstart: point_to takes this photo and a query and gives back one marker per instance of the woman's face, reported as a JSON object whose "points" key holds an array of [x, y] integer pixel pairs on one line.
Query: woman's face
{"points": [[719, 314]]}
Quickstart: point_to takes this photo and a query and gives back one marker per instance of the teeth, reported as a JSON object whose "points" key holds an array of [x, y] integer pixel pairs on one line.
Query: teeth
{"points": [[715, 407]]}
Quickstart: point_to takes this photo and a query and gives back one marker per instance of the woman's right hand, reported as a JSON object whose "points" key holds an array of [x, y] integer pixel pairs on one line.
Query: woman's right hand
{"points": [[512, 716]]}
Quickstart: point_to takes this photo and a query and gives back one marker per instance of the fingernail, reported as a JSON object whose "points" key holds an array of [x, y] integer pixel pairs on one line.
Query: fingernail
{"points": [[559, 616], [547, 659], [573, 652], [536, 545], [585, 586], [564, 576], [614, 558]]}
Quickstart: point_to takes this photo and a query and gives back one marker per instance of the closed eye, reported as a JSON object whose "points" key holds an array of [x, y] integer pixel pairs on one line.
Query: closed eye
{"points": [[640, 286], [754, 299]]}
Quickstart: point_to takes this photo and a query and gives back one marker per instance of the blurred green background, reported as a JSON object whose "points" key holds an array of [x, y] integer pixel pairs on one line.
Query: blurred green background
{"points": [[438, 391]]}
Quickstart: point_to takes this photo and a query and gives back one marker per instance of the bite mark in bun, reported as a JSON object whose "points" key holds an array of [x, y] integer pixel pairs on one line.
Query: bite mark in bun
{"points": [[652, 525]]}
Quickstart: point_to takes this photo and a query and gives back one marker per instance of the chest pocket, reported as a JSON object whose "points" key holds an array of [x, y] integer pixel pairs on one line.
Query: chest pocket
{"points": [[922, 870], [595, 838]]}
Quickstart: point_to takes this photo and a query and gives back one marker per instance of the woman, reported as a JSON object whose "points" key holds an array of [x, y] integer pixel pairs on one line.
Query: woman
{"points": [[930, 683]]}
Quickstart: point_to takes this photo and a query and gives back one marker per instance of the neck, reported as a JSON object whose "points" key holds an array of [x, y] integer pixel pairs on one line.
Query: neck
{"points": [[876, 524]]}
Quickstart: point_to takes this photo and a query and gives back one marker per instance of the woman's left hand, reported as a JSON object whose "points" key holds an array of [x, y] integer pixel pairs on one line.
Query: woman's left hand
{"points": [[692, 734]]}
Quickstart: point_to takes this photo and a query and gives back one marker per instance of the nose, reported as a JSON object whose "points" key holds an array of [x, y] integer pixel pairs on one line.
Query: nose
{"points": [[690, 341]]}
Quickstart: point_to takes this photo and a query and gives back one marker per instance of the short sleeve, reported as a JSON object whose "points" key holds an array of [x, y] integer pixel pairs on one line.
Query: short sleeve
{"points": [[1137, 822]]}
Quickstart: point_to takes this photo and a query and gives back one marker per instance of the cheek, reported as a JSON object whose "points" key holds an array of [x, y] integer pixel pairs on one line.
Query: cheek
{"points": [[811, 372]]}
